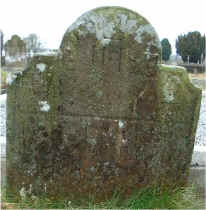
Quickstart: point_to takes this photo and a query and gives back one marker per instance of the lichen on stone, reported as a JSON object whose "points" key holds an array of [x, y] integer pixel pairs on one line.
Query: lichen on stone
{"points": [[10, 78], [147, 29], [94, 24], [168, 92], [170, 86], [99, 93], [105, 42], [23, 193], [149, 55], [101, 26], [109, 113], [143, 29], [41, 67], [44, 106], [172, 78], [92, 141], [121, 124], [127, 25]]}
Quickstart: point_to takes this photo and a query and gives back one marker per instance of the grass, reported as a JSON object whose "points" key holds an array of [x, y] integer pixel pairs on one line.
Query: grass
{"points": [[145, 199]]}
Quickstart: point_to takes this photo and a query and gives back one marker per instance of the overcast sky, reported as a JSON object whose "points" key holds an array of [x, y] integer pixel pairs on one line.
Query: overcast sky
{"points": [[49, 19]]}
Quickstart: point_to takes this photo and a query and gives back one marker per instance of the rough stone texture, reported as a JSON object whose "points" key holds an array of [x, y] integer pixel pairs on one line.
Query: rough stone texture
{"points": [[101, 114]]}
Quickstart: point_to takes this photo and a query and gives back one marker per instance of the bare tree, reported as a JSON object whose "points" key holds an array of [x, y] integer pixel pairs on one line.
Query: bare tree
{"points": [[33, 43]]}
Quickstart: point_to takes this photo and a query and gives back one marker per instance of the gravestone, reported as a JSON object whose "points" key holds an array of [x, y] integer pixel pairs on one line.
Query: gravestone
{"points": [[102, 114]]}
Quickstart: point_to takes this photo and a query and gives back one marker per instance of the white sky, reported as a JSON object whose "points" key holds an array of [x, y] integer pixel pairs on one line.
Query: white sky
{"points": [[49, 19]]}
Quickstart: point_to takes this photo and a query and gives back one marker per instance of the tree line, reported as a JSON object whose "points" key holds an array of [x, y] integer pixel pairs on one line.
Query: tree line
{"points": [[190, 46]]}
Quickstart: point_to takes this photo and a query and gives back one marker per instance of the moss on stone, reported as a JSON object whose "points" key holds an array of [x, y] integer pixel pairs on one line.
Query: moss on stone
{"points": [[177, 118], [111, 117]]}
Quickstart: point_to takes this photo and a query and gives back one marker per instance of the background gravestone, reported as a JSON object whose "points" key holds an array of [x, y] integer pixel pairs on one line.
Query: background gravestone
{"points": [[15, 48], [101, 114]]}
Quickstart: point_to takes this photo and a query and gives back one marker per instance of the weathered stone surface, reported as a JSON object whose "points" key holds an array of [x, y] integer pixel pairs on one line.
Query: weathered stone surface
{"points": [[101, 114]]}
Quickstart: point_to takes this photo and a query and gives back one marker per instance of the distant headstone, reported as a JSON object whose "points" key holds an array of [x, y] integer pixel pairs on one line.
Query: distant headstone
{"points": [[102, 114], [15, 47]]}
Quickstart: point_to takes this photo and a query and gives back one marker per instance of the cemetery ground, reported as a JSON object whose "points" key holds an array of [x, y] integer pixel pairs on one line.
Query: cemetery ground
{"points": [[192, 197]]}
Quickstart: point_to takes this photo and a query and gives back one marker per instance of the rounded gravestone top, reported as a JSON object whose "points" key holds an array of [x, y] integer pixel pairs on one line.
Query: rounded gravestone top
{"points": [[110, 63], [107, 23]]}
